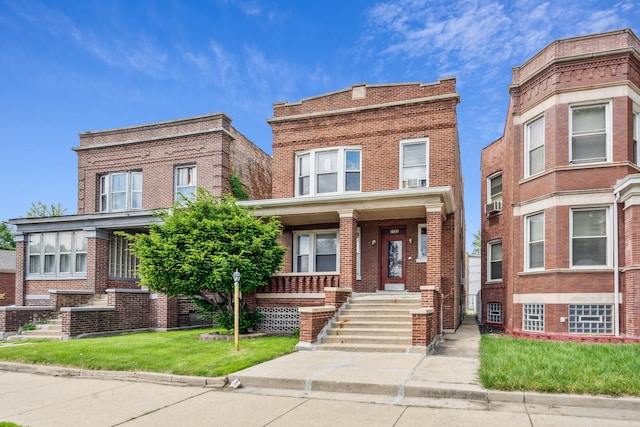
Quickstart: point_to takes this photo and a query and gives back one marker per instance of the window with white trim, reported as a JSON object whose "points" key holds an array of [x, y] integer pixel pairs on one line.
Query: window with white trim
{"points": [[120, 191], [422, 242], [122, 263], [494, 188], [414, 163], [494, 260], [534, 141], [494, 312], [184, 182], [589, 239], [590, 318], [533, 317], [534, 250], [590, 133], [330, 171], [316, 251], [57, 254]]}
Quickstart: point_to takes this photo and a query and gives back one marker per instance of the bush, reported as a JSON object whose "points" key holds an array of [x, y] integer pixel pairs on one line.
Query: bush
{"points": [[248, 321]]}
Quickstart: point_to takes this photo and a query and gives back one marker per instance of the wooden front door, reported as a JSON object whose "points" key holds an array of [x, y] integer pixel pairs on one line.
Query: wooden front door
{"points": [[393, 249]]}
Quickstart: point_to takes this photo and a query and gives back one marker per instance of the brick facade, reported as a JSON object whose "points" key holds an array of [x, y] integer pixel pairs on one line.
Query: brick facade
{"points": [[209, 143], [603, 71]]}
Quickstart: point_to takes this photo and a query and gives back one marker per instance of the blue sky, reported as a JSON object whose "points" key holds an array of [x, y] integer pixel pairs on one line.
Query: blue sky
{"points": [[73, 66]]}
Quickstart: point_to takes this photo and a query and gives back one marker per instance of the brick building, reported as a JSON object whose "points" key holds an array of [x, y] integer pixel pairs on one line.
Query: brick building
{"points": [[561, 217], [123, 176], [368, 186]]}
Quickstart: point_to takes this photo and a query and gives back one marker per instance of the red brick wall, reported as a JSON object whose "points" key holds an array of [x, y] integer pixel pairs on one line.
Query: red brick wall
{"points": [[553, 72], [210, 142], [8, 288]]}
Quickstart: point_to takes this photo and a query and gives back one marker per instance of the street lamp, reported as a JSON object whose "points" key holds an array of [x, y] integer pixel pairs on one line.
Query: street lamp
{"points": [[236, 307]]}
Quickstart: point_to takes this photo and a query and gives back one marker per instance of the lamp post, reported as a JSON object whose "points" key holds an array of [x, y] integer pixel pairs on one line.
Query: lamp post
{"points": [[236, 307]]}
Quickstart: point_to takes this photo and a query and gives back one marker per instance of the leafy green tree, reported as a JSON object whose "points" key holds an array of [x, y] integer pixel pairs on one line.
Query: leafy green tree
{"points": [[6, 238], [197, 246], [39, 210], [476, 244]]}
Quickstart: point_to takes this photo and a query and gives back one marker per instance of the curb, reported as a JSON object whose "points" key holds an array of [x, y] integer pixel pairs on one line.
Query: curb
{"points": [[150, 377], [409, 391]]}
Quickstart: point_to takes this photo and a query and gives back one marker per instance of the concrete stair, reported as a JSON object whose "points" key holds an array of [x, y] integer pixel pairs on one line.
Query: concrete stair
{"points": [[372, 322], [52, 329]]}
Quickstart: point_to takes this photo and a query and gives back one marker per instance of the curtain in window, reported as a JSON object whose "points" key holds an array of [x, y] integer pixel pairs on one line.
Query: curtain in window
{"points": [[536, 241], [590, 237], [327, 172], [414, 159]]}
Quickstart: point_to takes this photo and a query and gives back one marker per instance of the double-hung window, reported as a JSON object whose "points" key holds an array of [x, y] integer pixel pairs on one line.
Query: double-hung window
{"points": [[534, 251], [185, 182], [534, 140], [590, 133], [494, 250], [495, 188], [316, 251], [414, 163], [329, 171], [120, 191], [589, 241], [422, 243], [58, 254]]}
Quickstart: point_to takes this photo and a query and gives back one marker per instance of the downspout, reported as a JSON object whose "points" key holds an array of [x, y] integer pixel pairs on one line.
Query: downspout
{"points": [[616, 268]]}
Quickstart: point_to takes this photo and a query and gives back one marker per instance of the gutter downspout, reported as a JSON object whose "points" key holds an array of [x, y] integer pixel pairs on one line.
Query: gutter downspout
{"points": [[616, 268]]}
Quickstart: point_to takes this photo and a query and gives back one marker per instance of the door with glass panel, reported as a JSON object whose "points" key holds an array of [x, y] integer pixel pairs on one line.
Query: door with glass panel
{"points": [[393, 248]]}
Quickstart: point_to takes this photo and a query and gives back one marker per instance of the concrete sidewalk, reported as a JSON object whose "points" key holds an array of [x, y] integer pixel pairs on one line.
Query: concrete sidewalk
{"points": [[449, 373]]}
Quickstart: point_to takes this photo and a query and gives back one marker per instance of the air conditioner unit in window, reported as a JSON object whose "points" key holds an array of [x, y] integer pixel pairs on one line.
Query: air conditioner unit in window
{"points": [[493, 207], [415, 183]]}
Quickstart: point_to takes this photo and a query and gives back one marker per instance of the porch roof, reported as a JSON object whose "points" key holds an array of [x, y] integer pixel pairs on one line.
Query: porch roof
{"points": [[367, 206]]}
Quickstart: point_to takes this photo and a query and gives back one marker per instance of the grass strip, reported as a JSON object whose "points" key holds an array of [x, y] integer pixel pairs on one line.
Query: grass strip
{"points": [[513, 364], [174, 352]]}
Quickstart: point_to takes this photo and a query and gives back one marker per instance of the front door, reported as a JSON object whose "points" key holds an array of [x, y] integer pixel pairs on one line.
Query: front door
{"points": [[393, 250]]}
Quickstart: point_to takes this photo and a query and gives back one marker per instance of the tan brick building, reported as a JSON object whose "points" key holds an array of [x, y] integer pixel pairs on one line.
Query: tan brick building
{"points": [[368, 186], [123, 176], [561, 217]]}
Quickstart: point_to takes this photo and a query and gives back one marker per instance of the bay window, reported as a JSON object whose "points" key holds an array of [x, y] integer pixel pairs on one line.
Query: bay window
{"points": [[534, 140], [57, 254], [589, 241], [120, 191], [329, 171], [534, 250], [590, 133]]}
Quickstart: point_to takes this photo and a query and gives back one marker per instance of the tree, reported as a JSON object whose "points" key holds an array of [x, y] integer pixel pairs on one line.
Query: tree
{"points": [[197, 246], [6, 238], [477, 243], [39, 210]]}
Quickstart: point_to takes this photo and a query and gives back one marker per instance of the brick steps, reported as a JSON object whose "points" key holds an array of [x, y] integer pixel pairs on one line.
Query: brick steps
{"points": [[379, 322]]}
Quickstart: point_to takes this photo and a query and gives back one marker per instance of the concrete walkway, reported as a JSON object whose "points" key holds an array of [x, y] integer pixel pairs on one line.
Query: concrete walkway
{"points": [[450, 372]]}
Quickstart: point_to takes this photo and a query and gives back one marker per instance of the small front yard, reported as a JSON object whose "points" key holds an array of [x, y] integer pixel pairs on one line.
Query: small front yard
{"points": [[175, 352], [559, 367]]}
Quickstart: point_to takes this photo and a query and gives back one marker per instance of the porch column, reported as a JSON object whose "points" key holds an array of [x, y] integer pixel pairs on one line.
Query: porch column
{"points": [[348, 242], [434, 245], [21, 253], [97, 260]]}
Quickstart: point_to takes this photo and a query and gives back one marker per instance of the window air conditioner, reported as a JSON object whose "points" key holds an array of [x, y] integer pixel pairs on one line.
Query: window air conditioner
{"points": [[493, 207], [415, 183]]}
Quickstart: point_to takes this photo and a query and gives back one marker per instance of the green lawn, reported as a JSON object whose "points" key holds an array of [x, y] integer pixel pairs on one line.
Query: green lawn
{"points": [[175, 352], [559, 367]]}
